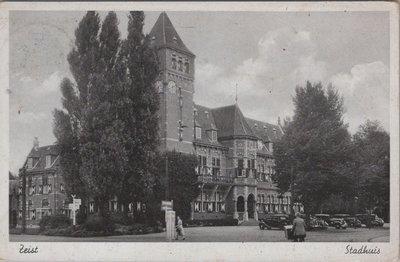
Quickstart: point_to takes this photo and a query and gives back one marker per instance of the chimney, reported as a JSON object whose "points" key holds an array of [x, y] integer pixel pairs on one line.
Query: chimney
{"points": [[206, 112], [36, 143]]}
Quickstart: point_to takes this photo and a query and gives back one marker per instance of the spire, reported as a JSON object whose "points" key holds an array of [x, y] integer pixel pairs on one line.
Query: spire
{"points": [[163, 34], [236, 98]]}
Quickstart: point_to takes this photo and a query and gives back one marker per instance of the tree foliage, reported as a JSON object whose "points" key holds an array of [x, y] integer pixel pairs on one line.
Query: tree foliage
{"points": [[182, 181], [312, 156], [372, 156], [108, 128]]}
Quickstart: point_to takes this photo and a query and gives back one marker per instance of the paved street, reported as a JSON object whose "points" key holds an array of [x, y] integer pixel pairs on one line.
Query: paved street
{"points": [[230, 234]]}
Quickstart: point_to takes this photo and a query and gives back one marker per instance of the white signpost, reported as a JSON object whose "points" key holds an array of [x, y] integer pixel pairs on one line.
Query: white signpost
{"points": [[167, 206], [76, 202]]}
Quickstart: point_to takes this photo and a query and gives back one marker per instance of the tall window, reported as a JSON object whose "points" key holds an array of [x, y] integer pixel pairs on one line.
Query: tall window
{"points": [[30, 162], [45, 180], [187, 70], [214, 135], [180, 65], [48, 161], [216, 162], [240, 167], [173, 62], [197, 132]]}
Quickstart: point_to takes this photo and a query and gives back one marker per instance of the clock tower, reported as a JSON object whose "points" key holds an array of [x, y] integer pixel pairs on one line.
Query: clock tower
{"points": [[175, 86]]}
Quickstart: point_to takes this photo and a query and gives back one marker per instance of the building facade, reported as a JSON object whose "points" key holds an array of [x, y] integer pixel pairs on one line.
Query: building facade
{"points": [[235, 153], [44, 191]]}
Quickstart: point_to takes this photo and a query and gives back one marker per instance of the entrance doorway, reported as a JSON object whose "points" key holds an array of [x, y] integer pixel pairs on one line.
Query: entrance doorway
{"points": [[250, 205]]}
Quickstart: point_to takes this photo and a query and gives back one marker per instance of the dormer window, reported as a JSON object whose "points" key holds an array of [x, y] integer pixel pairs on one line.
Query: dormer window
{"points": [[48, 161], [197, 132], [214, 135], [29, 164]]}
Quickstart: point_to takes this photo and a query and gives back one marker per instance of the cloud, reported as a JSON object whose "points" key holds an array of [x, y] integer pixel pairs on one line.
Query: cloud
{"points": [[286, 57], [366, 93]]}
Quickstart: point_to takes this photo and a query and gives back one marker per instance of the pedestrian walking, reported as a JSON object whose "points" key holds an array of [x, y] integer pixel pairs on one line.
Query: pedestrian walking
{"points": [[179, 229], [299, 229]]}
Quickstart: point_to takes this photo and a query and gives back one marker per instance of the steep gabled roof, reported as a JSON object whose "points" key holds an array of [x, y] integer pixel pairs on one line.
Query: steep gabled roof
{"points": [[163, 34], [231, 122], [265, 131], [40, 153], [205, 120]]}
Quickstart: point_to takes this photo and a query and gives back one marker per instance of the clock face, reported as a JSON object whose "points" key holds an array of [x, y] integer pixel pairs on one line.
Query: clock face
{"points": [[172, 87], [159, 86]]}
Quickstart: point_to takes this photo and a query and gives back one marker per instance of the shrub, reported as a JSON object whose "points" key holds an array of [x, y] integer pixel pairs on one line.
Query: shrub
{"points": [[54, 221], [212, 222], [98, 223], [80, 218], [121, 218]]}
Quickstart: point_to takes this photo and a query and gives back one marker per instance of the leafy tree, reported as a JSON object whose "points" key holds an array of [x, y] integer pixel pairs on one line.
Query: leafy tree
{"points": [[182, 181], [138, 108], [372, 155], [108, 130], [67, 123], [312, 156]]}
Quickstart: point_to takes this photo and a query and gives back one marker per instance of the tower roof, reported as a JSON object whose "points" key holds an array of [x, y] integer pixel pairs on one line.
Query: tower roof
{"points": [[163, 34]]}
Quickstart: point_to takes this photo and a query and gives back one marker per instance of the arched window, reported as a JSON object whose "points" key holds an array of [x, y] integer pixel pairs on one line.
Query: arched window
{"points": [[174, 62], [180, 65]]}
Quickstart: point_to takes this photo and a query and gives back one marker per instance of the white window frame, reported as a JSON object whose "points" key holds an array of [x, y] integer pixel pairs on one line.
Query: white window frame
{"points": [[48, 161], [30, 163], [197, 132]]}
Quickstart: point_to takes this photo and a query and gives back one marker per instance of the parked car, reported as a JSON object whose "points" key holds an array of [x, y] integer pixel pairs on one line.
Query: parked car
{"points": [[338, 223], [369, 219], [274, 221], [353, 222], [350, 220], [316, 223], [379, 221], [324, 217]]}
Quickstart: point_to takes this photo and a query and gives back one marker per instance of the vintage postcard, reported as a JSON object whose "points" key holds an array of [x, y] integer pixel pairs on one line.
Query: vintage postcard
{"points": [[199, 131]]}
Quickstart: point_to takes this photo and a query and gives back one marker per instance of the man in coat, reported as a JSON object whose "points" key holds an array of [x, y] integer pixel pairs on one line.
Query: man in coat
{"points": [[299, 229]]}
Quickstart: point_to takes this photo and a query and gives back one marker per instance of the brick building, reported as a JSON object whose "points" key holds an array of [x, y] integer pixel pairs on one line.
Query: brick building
{"points": [[235, 153], [44, 191]]}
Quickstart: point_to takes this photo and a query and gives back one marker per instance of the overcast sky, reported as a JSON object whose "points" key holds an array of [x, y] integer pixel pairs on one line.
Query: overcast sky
{"points": [[265, 53]]}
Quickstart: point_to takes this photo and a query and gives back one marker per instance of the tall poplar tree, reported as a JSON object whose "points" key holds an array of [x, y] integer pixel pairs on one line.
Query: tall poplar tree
{"points": [[138, 69], [108, 128]]}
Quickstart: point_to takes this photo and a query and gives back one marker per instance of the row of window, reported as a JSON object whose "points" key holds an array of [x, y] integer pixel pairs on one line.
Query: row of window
{"points": [[213, 136], [42, 189], [118, 207], [32, 162], [273, 199], [209, 207], [177, 63], [44, 178]]}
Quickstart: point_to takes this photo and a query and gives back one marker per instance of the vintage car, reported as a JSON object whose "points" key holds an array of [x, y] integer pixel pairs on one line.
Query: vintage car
{"points": [[350, 220], [316, 223], [370, 219], [274, 221], [324, 217], [338, 223]]}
